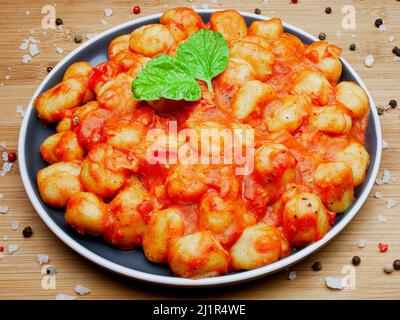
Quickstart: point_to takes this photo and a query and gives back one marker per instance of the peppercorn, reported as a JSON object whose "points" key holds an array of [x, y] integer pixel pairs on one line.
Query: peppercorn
{"points": [[356, 260], [322, 36], [352, 47], [27, 232], [396, 51], [380, 109], [316, 266], [78, 38], [396, 264], [328, 10], [136, 10], [383, 247], [11, 156], [393, 103], [294, 1], [59, 22], [388, 268], [49, 69], [1, 249], [378, 23], [257, 11]]}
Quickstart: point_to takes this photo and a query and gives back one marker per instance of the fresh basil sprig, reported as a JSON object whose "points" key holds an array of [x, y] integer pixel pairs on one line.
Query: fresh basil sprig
{"points": [[203, 56]]}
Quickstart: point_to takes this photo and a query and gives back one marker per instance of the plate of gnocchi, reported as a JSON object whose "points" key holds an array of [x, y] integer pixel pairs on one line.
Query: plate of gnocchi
{"points": [[200, 148]]}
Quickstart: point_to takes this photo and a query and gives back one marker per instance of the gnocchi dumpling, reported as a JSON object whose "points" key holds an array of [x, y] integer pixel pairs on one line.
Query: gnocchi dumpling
{"points": [[198, 255], [118, 45], [164, 226], [270, 29], [86, 213], [230, 24], [72, 117], [353, 98], [62, 146], [305, 219], [331, 120], [356, 157], [314, 85], [258, 245], [185, 19], [59, 182]]}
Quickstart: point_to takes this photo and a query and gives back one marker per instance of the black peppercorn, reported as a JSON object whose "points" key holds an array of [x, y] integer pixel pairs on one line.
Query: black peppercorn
{"points": [[378, 23], [380, 109], [328, 10], [352, 47], [257, 11], [322, 36], [393, 103], [59, 22], [396, 264], [27, 232], [316, 266], [49, 69], [356, 260], [396, 51], [78, 38]]}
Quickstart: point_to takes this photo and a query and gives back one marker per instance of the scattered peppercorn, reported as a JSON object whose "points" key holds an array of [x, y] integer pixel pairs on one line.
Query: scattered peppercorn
{"points": [[396, 51], [388, 268], [49, 69], [316, 266], [78, 38], [328, 10], [322, 36], [380, 109], [378, 23], [396, 264], [356, 260], [136, 10], [383, 247], [352, 47], [393, 103], [59, 22], [257, 11], [11, 156], [27, 232]]}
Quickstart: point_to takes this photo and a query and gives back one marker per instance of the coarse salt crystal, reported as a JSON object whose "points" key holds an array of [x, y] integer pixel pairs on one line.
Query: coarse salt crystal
{"points": [[4, 156], [369, 60], [361, 243], [378, 195], [91, 35], [15, 225], [59, 50], [334, 283], [3, 145], [391, 38], [42, 258], [24, 45], [386, 176], [108, 12], [62, 296], [379, 182], [81, 290], [33, 50], [292, 275], [1, 195], [12, 248], [26, 58], [390, 203], [21, 111], [5, 238], [3, 209], [383, 27], [103, 22], [381, 218], [205, 6], [385, 145]]}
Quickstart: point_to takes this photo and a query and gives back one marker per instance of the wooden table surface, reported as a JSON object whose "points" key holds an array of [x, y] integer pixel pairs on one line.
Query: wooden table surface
{"points": [[20, 273]]}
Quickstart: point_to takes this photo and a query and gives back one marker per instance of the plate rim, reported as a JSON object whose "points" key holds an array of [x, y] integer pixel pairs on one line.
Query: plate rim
{"points": [[178, 281]]}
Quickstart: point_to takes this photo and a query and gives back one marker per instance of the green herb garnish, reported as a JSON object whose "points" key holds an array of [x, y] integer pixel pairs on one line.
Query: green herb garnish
{"points": [[203, 56]]}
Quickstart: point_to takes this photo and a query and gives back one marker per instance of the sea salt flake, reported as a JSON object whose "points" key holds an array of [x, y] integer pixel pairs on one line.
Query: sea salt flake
{"points": [[334, 283], [391, 38], [3, 145], [4, 156], [386, 176], [62, 296], [369, 60], [24, 45], [378, 195], [81, 290], [383, 27], [390, 203], [379, 182], [4, 209], [33, 50], [385, 145], [15, 225], [91, 35], [1, 195], [5, 238], [21, 111], [381, 218], [292, 275], [59, 50], [103, 22], [361, 243], [108, 12], [12, 248], [26, 58], [42, 258]]}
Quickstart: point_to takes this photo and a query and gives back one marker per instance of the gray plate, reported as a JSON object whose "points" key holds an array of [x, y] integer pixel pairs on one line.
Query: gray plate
{"points": [[133, 263]]}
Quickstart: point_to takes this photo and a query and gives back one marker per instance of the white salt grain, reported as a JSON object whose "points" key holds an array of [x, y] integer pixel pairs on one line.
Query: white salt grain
{"points": [[3, 209], [12, 248], [81, 290], [3, 145], [26, 58], [334, 283], [369, 60], [4, 156], [91, 35], [390, 203], [103, 22], [5, 238], [42, 258], [379, 182], [386, 176], [378, 195], [24, 45], [59, 50], [62, 296], [381, 218], [21, 111], [33, 50], [383, 28], [292, 275], [361, 243], [108, 12], [1, 195], [15, 225], [385, 145], [391, 38]]}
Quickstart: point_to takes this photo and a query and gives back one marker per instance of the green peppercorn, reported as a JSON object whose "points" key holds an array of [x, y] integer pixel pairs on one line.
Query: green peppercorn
{"points": [[356, 260], [380, 109], [78, 38], [316, 266]]}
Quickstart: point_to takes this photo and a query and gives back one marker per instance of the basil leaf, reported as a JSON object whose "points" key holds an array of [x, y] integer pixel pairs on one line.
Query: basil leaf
{"points": [[165, 77], [205, 54]]}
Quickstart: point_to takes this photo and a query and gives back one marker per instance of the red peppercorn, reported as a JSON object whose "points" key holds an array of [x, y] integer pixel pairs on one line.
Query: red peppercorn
{"points": [[1, 249], [136, 10], [383, 247], [294, 1], [12, 156]]}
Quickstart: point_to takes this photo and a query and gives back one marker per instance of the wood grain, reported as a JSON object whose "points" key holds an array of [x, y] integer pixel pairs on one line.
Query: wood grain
{"points": [[20, 274]]}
